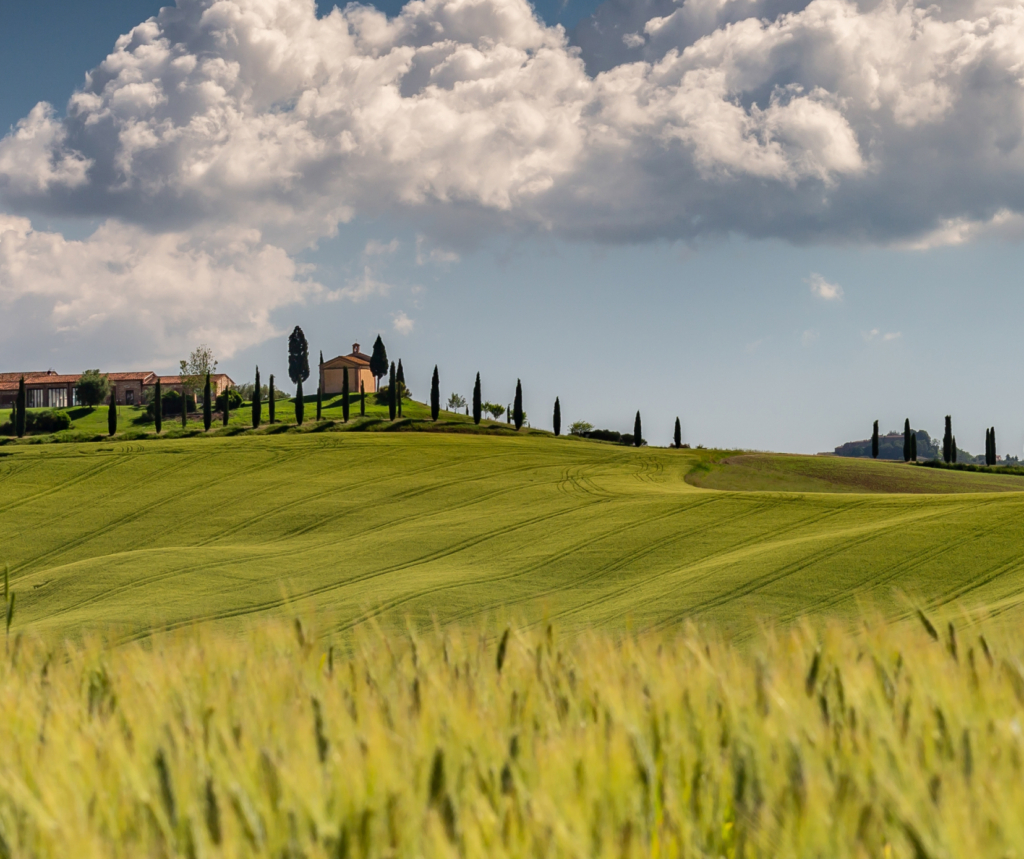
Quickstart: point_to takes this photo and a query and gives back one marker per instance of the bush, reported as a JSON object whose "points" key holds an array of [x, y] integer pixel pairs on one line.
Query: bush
{"points": [[40, 423], [580, 428], [604, 435], [172, 405], [382, 395], [233, 397]]}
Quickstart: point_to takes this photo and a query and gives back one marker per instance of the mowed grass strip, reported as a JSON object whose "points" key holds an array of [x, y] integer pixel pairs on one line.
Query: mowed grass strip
{"points": [[357, 526]]}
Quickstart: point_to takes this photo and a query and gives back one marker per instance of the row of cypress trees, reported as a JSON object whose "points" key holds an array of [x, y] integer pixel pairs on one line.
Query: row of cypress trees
{"points": [[990, 446]]}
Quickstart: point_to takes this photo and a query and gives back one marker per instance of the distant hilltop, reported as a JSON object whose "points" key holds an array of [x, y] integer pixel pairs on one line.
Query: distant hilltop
{"points": [[890, 446]]}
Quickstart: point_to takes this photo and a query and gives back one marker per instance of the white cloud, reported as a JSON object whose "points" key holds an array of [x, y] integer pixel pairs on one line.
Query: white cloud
{"points": [[876, 334], [376, 248], [360, 289], [809, 337], [824, 289], [433, 255], [402, 323]]}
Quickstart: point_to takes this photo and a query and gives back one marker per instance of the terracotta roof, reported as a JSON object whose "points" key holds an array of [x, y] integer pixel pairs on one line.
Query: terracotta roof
{"points": [[357, 360], [15, 377], [140, 376], [39, 380], [176, 380]]}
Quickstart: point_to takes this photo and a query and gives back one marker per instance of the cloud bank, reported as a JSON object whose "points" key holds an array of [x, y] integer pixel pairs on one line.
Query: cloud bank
{"points": [[828, 121]]}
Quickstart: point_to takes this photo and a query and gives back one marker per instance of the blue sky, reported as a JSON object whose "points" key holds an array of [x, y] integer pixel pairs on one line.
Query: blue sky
{"points": [[801, 257]]}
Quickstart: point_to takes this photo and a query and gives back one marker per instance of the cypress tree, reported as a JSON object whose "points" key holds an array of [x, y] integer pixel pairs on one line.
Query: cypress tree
{"points": [[637, 431], [392, 401], [435, 395], [379, 360], [319, 402], [207, 405], [20, 407], [913, 446], [272, 401], [556, 419], [158, 407], [300, 405], [954, 449], [227, 406], [874, 441], [298, 356], [988, 447], [517, 406], [362, 399], [677, 437], [508, 413], [184, 406], [344, 395], [400, 385], [257, 402], [906, 440], [477, 402], [994, 451], [112, 412], [947, 437]]}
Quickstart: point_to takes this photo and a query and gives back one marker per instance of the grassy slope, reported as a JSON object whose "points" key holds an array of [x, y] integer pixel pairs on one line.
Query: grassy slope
{"points": [[791, 473], [352, 524]]}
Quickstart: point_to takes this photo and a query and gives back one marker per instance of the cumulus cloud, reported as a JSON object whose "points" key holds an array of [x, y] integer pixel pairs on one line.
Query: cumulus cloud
{"points": [[402, 323], [824, 289], [822, 121]]}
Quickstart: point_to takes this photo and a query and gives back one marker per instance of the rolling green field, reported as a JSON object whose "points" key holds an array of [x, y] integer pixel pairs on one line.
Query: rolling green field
{"points": [[348, 526]]}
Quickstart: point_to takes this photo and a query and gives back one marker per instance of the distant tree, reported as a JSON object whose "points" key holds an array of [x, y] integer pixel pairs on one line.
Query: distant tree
{"points": [[344, 395], [400, 382], [637, 434], [995, 454], [435, 395], [874, 441], [493, 409], [92, 388], [21, 409], [257, 404], [907, 435], [456, 402], [913, 447], [947, 441], [224, 402], [158, 407], [112, 412], [300, 404], [193, 371], [517, 406], [298, 356], [362, 399], [207, 404], [319, 402], [954, 449], [379, 360], [556, 418], [392, 392], [477, 404], [677, 436], [272, 401], [580, 428], [184, 405]]}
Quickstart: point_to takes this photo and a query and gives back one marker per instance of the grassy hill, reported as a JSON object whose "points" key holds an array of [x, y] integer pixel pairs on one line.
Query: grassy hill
{"points": [[354, 525]]}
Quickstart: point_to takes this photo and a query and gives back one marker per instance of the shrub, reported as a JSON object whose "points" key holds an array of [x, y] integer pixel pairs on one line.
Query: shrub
{"points": [[580, 428], [233, 397], [40, 423], [172, 405], [381, 397]]}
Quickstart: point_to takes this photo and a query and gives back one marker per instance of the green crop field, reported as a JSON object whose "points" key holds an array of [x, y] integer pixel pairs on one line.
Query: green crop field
{"points": [[347, 526]]}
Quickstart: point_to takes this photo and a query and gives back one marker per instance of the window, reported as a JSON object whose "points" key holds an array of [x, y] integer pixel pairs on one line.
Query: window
{"points": [[129, 397], [35, 398], [58, 398]]}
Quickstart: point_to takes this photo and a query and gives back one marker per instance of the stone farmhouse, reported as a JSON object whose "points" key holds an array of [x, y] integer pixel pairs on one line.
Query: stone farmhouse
{"points": [[51, 390], [356, 365], [219, 383]]}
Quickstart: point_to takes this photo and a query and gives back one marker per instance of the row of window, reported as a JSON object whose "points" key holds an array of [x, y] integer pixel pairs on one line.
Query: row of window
{"points": [[57, 398]]}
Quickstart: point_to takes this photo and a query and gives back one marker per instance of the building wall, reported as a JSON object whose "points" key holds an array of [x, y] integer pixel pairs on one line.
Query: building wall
{"points": [[127, 393]]}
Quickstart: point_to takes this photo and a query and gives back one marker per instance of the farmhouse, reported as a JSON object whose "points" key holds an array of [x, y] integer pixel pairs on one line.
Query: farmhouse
{"points": [[356, 365], [51, 390], [219, 383]]}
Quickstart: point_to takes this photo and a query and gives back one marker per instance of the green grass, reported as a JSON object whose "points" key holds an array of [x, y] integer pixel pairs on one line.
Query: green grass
{"points": [[349, 525]]}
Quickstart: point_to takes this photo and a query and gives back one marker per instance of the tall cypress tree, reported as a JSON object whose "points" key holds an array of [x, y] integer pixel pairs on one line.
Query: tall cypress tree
{"points": [[906, 440], [272, 401], [517, 406], [913, 447], [556, 418], [400, 386], [344, 395], [227, 406], [874, 441], [995, 455], [637, 431], [257, 402], [158, 407], [954, 449], [379, 360], [392, 401], [20, 408], [947, 437], [207, 405], [677, 436], [435, 395], [988, 447], [319, 402], [184, 406], [112, 412], [362, 399], [300, 404], [477, 402]]}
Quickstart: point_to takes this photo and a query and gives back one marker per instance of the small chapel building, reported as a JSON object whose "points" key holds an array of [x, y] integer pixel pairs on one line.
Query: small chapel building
{"points": [[356, 364]]}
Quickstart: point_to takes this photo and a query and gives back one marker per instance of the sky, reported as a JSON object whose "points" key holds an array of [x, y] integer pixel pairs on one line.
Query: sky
{"points": [[774, 219]]}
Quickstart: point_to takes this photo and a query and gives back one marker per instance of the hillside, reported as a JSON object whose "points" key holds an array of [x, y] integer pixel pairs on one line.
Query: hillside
{"points": [[355, 525]]}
